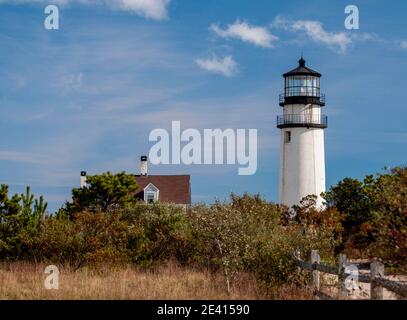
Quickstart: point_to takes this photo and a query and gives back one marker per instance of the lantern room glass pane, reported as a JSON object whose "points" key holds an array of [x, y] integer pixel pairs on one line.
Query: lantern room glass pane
{"points": [[302, 86]]}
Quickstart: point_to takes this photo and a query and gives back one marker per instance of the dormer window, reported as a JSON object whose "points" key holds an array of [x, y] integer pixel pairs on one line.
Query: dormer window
{"points": [[151, 196], [151, 193]]}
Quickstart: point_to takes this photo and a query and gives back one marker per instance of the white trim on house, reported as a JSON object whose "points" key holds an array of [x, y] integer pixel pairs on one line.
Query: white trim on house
{"points": [[151, 192]]}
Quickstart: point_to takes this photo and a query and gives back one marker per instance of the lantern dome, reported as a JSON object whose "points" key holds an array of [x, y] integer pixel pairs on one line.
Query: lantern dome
{"points": [[302, 70], [302, 86]]}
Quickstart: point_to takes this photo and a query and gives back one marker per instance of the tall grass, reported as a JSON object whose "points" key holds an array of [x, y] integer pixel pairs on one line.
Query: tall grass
{"points": [[21, 280]]}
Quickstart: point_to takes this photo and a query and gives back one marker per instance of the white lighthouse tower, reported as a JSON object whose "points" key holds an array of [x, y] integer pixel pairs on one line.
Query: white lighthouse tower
{"points": [[302, 159]]}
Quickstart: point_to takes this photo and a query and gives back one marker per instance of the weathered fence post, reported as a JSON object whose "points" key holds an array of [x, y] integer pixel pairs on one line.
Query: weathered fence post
{"points": [[376, 270], [349, 277], [343, 292], [315, 258]]}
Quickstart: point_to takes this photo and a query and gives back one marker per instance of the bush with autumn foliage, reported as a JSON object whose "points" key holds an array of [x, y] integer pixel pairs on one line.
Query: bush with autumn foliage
{"points": [[375, 215], [104, 226], [251, 234]]}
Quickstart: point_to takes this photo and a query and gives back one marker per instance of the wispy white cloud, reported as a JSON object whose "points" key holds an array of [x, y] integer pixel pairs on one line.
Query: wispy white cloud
{"points": [[403, 44], [70, 82], [152, 9], [25, 157], [316, 32], [226, 66], [258, 36], [100, 90], [17, 80]]}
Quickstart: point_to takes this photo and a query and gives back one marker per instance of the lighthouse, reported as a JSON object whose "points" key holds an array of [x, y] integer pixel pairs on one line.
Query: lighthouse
{"points": [[302, 124]]}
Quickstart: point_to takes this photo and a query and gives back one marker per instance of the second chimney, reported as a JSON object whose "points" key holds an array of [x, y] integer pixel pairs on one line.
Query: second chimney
{"points": [[143, 166], [83, 179]]}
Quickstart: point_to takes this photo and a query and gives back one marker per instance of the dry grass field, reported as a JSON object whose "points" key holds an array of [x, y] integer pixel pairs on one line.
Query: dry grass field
{"points": [[26, 281]]}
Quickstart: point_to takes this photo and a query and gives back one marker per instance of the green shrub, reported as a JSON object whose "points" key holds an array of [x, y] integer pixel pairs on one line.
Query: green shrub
{"points": [[246, 234], [253, 235], [143, 234], [166, 230], [375, 215], [20, 215], [90, 238]]}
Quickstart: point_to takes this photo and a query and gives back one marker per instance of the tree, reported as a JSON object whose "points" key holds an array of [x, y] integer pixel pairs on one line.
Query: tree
{"points": [[350, 197], [103, 192], [388, 227], [32, 210], [375, 213], [18, 215], [10, 211]]}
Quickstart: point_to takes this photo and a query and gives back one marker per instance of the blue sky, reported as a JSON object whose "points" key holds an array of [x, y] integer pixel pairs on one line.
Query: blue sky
{"points": [[86, 96]]}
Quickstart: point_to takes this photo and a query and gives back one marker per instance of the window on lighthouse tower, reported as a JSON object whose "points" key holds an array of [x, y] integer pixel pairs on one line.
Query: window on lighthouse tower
{"points": [[287, 137]]}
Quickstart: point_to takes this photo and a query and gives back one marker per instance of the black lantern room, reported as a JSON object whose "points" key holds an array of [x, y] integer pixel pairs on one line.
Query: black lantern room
{"points": [[302, 86]]}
